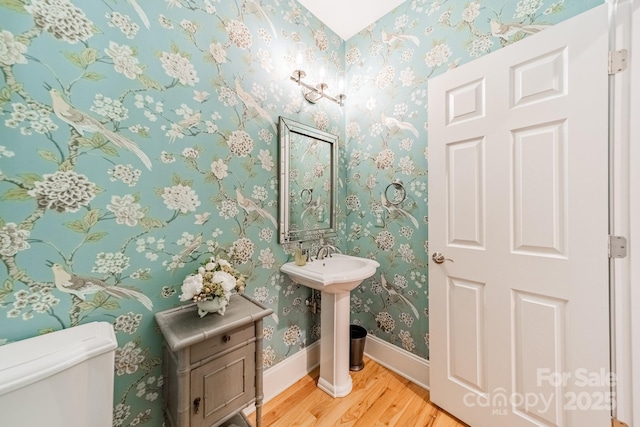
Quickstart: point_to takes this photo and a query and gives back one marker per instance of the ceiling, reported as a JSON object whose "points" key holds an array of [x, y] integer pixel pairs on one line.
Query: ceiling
{"points": [[348, 17]]}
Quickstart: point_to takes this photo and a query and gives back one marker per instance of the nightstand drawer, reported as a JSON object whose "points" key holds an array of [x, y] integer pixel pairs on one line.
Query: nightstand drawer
{"points": [[220, 343]]}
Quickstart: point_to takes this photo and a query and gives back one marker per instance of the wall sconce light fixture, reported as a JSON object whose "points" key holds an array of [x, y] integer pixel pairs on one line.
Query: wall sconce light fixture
{"points": [[313, 93]]}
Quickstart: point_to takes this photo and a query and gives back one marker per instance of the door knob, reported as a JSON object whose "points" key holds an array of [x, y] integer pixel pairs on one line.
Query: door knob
{"points": [[439, 258]]}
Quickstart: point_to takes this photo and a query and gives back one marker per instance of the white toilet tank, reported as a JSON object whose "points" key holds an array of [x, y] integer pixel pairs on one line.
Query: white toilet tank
{"points": [[61, 379]]}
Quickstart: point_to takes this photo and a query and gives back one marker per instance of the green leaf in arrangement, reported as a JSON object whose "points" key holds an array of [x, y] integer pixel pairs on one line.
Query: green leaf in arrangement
{"points": [[16, 194]]}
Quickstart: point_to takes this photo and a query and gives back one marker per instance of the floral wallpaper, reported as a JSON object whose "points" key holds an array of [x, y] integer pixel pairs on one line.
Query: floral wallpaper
{"points": [[138, 136], [389, 64]]}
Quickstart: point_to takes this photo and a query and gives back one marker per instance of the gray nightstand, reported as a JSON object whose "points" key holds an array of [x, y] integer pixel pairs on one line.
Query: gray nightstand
{"points": [[212, 365]]}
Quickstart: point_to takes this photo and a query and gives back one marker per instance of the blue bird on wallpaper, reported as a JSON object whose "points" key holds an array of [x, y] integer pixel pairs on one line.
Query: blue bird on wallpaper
{"points": [[391, 208], [82, 122], [250, 206], [393, 294], [250, 103], [392, 122], [82, 286]]}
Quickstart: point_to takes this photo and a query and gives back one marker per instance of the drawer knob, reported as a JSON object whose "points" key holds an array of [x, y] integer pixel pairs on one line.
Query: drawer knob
{"points": [[226, 338]]}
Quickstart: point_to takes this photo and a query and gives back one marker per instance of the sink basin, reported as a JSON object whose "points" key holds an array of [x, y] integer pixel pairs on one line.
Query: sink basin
{"points": [[336, 274]]}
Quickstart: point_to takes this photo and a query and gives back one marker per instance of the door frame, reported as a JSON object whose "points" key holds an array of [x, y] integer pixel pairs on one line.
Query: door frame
{"points": [[625, 210]]}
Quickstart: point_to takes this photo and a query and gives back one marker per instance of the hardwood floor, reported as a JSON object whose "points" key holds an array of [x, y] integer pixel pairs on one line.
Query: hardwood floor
{"points": [[379, 398]]}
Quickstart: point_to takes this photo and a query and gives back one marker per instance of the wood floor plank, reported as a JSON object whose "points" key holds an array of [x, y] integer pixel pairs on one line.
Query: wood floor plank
{"points": [[380, 398]]}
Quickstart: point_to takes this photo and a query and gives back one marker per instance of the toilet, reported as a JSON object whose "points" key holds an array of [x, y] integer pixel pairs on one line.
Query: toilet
{"points": [[61, 379]]}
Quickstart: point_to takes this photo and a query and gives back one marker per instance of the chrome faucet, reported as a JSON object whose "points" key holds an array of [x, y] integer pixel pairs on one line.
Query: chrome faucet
{"points": [[326, 250]]}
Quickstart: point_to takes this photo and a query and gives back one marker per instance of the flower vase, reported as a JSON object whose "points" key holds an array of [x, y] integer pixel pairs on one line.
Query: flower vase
{"points": [[216, 305]]}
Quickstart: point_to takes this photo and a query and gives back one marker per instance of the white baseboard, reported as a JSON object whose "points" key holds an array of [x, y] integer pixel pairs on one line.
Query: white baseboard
{"points": [[398, 360], [283, 375], [279, 377]]}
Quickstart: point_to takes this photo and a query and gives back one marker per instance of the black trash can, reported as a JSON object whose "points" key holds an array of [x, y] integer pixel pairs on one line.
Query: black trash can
{"points": [[358, 336]]}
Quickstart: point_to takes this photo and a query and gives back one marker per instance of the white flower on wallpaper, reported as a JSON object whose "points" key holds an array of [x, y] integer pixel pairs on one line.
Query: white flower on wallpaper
{"points": [[13, 239], [438, 55], [181, 198], [11, 50], [385, 321], [63, 191], [128, 358], [471, 12], [125, 173], [108, 108], [111, 263], [178, 67], [526, 8], [219, 168], [30, 118], [292, 335], [62, 19], [239, 34], [123, 23], [120, 413], [127, 323], [126, 210], [124, 60], [242, 250], [240, 143]]}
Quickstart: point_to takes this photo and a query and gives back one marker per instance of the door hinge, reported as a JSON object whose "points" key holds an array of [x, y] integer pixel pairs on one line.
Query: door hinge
{"points": [[617, 423], [617, 61], [617, 247]]}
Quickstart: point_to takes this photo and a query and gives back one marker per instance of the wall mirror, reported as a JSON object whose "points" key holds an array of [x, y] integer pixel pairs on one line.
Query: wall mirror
{"points": [[308, 162]]}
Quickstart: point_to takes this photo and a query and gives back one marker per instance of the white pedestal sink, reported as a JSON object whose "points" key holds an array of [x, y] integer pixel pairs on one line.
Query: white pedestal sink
{"points": [[335, 277]]}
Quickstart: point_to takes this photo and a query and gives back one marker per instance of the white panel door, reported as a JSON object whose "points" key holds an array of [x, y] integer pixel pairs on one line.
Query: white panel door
{"points": [[518, 200]]}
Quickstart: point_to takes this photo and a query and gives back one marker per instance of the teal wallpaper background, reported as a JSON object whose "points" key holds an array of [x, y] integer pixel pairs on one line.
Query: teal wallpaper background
{"points": [[137, 137]]}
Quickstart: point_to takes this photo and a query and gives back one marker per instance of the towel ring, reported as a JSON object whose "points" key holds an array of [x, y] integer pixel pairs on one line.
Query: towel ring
{"points": [[306, 195], [398, 186]]}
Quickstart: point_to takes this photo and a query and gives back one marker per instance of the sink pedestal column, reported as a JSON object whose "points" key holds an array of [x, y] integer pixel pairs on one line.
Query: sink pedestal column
{"points": [[335, 317]]}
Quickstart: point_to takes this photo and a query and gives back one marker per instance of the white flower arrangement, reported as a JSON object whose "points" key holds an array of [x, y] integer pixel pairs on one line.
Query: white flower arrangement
{"points": [[216, 278]]}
